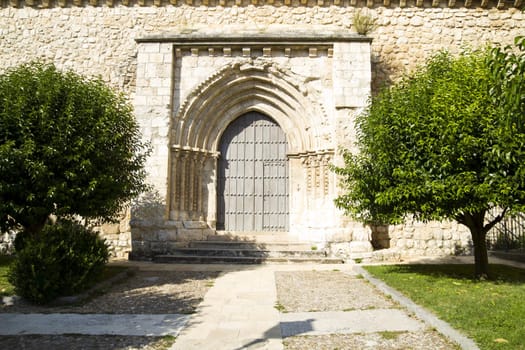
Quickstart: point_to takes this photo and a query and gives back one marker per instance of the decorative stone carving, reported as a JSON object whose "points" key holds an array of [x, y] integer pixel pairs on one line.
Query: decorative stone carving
{"points": [[187, 169], [263, 77], [316, 165]]}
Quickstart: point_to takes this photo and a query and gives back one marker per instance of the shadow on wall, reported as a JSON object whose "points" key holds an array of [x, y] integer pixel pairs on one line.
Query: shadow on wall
{"points": [[380, 237], [149, 207], [147, 218], [384, 71]]}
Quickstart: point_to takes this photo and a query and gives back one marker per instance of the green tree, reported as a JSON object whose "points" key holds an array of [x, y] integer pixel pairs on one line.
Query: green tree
{"points": [[436, 146], [507, 66], [68, 146]]}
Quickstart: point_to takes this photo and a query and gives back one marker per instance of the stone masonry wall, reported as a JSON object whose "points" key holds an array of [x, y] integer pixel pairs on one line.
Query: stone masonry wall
{"points": [[416, 239], [98, 38]]}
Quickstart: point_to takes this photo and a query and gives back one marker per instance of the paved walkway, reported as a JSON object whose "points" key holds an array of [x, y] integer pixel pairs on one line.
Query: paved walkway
{"points": [[98, 324], [239, 312]]}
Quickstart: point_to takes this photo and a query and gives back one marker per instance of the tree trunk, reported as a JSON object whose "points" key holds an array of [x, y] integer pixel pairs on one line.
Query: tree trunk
{"points": [[475, 223], [30, 230], [481, 258]]}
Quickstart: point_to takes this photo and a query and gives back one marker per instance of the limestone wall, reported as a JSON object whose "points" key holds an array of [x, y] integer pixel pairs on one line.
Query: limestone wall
{"points": [[7, 242], [416, 239], [98, 38]]}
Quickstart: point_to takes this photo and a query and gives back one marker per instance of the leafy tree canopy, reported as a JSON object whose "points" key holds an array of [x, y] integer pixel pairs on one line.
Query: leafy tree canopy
{"points": [[438, 145], [68, 146]]}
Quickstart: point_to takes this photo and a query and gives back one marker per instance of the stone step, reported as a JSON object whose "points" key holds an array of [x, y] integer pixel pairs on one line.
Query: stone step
{"points": [[274, 246], [248, 252], [266, 237], [198, 259]]}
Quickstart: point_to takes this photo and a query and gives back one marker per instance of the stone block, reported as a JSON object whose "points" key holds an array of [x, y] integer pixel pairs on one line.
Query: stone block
{"points": [[123, 243], [171, 246], [194, 225], [359, 247], [124, 226], [141, 247], [339, 249], [167, 235], [149, 48], [110, 229], [112, 238], [158, 247], [401, 244], [208, 232], [190, 234]]}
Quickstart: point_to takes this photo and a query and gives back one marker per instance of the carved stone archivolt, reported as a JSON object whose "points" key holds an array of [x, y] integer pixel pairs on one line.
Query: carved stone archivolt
{"points": [[270, 79], [249, 85]]}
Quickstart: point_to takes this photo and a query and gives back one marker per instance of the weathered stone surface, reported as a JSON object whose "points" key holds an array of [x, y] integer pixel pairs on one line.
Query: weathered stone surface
{"points": [[329, 82]]}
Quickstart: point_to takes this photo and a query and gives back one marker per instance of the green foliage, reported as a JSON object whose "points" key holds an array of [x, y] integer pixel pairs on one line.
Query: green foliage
{"points": [[507, 66], [490, 312], [428, 147], [6, 288], [68, 145], [62, 259], [447, 142], [425, 146]]}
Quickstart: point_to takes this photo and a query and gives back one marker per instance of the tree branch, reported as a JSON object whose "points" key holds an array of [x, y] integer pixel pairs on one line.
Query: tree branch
{"points": [[460, 218], [496, 220]]}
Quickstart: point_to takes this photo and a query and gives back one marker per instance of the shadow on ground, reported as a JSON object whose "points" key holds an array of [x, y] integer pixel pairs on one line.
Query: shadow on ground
{"points": [[498, 272], [80, 342], [144, 292]]}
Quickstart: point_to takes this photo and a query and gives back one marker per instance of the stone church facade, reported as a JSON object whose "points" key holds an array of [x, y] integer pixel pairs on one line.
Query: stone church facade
{"points": [[246, 104]]}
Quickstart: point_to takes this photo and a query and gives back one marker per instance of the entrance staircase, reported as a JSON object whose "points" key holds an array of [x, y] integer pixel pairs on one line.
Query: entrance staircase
{"points": [[248, 248]]}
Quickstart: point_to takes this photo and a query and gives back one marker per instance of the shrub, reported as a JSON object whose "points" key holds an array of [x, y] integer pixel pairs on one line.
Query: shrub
{"points": [[62, 259], [69, 145]]}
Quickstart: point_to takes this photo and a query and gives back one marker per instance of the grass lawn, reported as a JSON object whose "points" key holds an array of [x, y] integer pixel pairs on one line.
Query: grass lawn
{"points": [[490, 312], [6, 289]]}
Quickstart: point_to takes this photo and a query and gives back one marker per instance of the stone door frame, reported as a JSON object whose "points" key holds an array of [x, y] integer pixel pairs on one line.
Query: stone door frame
{"points": [[190, 87]]}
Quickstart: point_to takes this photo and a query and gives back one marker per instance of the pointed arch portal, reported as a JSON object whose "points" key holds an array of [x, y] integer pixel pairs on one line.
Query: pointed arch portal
{"points": [[203, 96], [206, 133]]}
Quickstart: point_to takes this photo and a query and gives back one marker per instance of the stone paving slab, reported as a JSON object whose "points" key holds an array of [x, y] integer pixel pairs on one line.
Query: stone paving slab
{"points": [[344, 322], [237, 313], [92, 324]]}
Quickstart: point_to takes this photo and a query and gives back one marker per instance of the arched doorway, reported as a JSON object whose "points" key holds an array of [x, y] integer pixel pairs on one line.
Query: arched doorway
{"points": [[253, 176]]}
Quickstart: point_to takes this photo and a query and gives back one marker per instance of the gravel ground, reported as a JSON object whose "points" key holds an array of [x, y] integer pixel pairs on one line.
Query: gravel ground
{"points": [[84, 342], [428, 340], [160, 292], [145, 292], [310, 291]]}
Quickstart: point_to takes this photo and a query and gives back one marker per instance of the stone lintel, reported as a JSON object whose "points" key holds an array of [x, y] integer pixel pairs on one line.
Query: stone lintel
{"points": [[300, 38]]}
